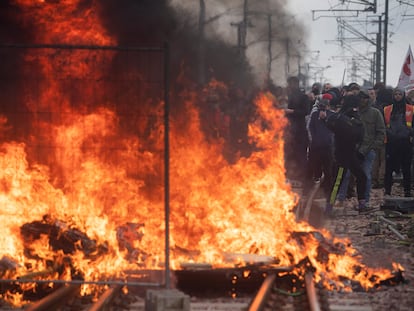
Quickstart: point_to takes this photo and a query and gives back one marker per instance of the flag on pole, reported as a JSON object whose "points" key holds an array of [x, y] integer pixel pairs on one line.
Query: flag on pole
{"points": [[406, 81]]}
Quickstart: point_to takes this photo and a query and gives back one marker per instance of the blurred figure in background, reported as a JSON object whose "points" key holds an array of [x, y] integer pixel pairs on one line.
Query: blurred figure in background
{"points": [[410, 97], [399, 130], [326, 87], [378, 166], [296, 138]]}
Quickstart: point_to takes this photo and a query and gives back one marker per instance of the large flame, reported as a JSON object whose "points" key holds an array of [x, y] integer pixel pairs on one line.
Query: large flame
{"points": [[218, 210]]}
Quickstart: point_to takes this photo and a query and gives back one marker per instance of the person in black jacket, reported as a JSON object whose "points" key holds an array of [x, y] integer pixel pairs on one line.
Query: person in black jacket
{"points": [[349, 132], [296, 138], [321, 147]]}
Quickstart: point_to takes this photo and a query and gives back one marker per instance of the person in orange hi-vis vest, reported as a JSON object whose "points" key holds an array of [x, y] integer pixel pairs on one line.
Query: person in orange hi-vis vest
{"points": [[398, 119]]}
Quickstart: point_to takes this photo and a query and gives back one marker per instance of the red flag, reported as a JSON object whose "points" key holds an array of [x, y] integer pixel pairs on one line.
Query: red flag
{"points": [[406, 81]]}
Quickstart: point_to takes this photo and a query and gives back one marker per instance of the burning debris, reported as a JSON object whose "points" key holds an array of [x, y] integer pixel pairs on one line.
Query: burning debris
{"points": [[63, 238], [60, 237], [128, 236], [238, 282]]}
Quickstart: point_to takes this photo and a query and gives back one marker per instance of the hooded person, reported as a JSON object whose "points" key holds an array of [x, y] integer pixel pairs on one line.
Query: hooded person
{"points": [[398, 119], [349, 132], [346, 124], [373, 139], [321, 146]]}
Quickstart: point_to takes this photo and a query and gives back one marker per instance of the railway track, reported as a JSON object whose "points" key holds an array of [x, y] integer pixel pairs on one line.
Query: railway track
{"points": [[278, 292], [112, 296], [306, 297], [67, 298]]}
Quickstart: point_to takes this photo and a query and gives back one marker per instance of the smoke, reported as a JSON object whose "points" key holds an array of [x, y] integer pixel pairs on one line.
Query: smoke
{"points": [[154, 22], [267, 20], [177, 22]]}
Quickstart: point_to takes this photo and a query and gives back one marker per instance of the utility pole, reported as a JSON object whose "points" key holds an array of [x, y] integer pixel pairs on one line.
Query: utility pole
{"points": [[269, 38], [373, 68], [287, 67], [269, 47], [242, 32], [385, 41], [353, 7], [354, 70], [201, 44], [378, 52], [344, 25]]}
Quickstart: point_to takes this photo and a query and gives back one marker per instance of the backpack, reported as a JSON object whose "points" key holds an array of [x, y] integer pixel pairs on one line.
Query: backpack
{"points": [[349, 130]]}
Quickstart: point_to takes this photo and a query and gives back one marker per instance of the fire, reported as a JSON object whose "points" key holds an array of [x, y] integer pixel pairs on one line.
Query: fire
{"points": [[88, 196]]}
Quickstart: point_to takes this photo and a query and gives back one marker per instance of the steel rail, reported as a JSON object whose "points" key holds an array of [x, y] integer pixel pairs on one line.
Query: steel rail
{"points": [[106, 298], [260, 299], [56, 298], [311, 293], [397, 233]]}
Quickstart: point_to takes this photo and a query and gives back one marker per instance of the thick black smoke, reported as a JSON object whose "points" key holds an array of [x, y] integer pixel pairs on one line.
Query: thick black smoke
{"points": [[157, 21], [154, 22]]}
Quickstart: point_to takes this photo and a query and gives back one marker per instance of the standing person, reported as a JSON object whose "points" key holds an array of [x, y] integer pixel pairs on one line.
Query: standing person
{"points": [[374, 135], [372, 93], [321, 150], [349, 132], [348, 186], [378, 167], [399, 129], [296, 138], [373, 139]]}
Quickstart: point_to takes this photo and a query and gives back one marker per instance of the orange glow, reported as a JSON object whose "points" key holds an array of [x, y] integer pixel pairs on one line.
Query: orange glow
{"points": [[220, 213]]}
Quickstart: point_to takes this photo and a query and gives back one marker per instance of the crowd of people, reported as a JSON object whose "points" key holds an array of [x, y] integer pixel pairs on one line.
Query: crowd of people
{"points": [[349, 138]]}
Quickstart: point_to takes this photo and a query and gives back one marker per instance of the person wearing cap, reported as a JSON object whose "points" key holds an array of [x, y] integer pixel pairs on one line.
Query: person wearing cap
{"points": [[399, 138], [326, 97], [336, 97]]}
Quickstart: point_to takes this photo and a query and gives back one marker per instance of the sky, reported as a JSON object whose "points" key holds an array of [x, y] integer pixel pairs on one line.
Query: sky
{"points": [[329, 62]]}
